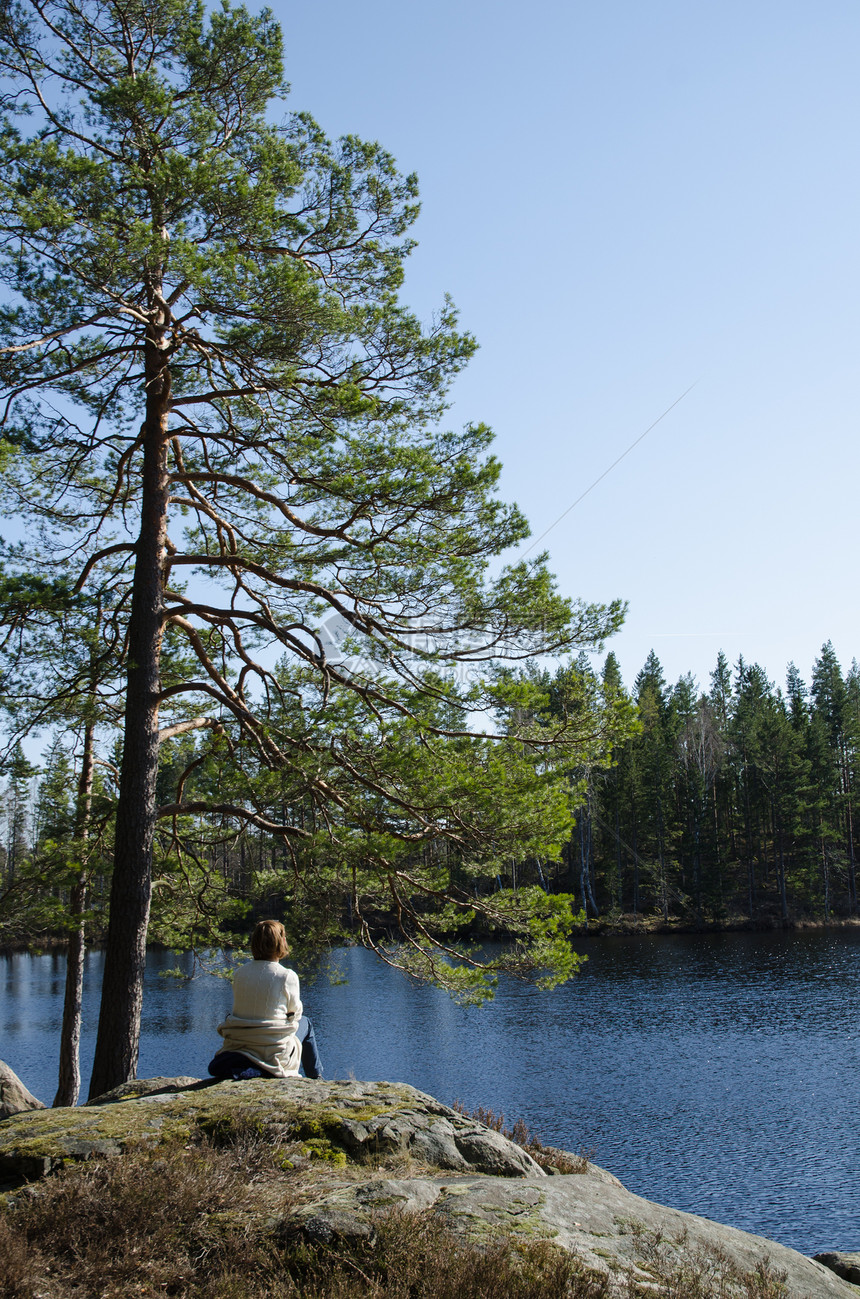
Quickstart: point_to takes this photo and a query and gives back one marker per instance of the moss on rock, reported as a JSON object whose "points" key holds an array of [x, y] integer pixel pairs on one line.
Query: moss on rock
{"points": [[301, 1166], [339, 1122]]}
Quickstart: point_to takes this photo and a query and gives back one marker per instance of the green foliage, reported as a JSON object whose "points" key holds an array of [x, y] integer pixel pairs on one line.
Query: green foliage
{"points": [[727, 806], [222, 432], [36, 889]]}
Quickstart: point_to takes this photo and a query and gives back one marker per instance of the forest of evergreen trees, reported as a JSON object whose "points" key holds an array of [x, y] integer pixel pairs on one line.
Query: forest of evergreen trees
{"points": [[729, 805], [734, 803]]}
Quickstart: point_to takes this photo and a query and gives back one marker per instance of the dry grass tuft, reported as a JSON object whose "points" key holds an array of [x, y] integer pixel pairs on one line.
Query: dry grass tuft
{"points": [[682, 1272], [204, 1221], [172, 1225], [155, 1223], [14, 1263], [548, 1157], [415, 1256]]}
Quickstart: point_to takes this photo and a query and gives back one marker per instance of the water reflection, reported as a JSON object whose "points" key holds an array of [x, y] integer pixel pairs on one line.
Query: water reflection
{"points": [[712, 1073]]}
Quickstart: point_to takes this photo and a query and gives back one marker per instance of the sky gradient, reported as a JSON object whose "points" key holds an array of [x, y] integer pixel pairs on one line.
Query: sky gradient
{"points": [[625, 200]]}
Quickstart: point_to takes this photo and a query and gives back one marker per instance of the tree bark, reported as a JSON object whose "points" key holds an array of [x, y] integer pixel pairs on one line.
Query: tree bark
{"points": [[131, 889], [69, 1080]]}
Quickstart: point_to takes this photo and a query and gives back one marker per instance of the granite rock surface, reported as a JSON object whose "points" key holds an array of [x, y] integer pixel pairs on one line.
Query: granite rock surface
{"points": [[339, 1122], [364, 1149], [845, 1263], [612, 1231], [14, 1097]]}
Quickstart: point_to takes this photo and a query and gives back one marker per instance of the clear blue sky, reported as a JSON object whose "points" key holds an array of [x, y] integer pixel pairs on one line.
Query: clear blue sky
{"points": [[624, 199]]}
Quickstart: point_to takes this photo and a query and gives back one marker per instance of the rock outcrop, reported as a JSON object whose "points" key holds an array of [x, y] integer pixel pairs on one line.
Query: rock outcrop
{"points": [[607, 1227], [368, 1148], [845, 1263], [334, 1122], [14, 1097]]}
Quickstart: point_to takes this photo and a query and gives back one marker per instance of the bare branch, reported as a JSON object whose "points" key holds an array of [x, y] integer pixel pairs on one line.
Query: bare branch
{"points": [[201, 808], [194, 724]]}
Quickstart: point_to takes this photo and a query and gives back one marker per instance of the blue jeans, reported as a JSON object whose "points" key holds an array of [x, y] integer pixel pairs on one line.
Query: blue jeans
{"points": [[233, 1064], [311, 1062]]}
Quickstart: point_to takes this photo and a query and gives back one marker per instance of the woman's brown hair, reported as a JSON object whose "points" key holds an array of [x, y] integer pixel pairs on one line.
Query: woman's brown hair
{"points": [[269, 941]]}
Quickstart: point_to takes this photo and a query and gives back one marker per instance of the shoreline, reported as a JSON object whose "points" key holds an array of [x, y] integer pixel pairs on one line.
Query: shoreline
{"points": [[624, 926], [330, 1159], [647, 925]]}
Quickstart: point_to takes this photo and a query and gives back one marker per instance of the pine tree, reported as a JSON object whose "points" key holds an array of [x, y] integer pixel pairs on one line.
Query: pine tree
{"points": [[612, 786], [751, 688], [795, 688], [207, 373], [784, 774], [721, 690]]}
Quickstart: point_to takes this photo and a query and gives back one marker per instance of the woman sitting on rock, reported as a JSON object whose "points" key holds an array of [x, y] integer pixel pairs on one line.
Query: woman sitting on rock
{"points": [[266, 1036]]}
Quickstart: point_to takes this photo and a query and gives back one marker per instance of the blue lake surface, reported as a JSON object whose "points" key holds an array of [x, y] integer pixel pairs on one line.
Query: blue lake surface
{"points": [[717, 1074]]}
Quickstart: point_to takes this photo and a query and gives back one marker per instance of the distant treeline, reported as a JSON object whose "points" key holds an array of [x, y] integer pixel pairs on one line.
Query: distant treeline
{"points": [[737, 802], [734, 804]]}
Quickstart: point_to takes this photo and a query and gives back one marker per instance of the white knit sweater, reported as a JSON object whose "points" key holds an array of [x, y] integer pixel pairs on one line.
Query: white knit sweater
{"points": [[266, 1012]]}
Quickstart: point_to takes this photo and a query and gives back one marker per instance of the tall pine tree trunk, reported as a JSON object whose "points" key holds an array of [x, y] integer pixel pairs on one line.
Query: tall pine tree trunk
{"points": [[589, 873], [69, 1077], [131, 890], [719, 907], [619, 901], [779, 849], [69, 1080], [748, 839], [849, 827], [584, 861], [661, 853]]}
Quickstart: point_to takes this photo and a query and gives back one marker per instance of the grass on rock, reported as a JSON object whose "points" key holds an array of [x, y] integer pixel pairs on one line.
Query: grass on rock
{"points": [[210, 1220], [192, 1221]]}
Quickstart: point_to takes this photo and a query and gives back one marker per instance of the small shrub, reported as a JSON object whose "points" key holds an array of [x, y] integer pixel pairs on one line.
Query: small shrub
{"points": [[546, 1156], [139, 1224], [679, 1271], [415, 1256], [14, 1264]]}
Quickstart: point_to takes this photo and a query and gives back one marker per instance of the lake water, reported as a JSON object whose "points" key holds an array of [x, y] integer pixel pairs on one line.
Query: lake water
{"points": [[717, 1074]]}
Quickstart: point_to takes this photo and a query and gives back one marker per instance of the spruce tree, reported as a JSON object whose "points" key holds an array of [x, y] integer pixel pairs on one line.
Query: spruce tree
{"points": [[701, 751], [17, 808], [656, 765], [831, 701]]}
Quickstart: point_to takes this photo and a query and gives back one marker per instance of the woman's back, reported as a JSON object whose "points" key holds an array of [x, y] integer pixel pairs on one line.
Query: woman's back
{"points": [[266, 990]]}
